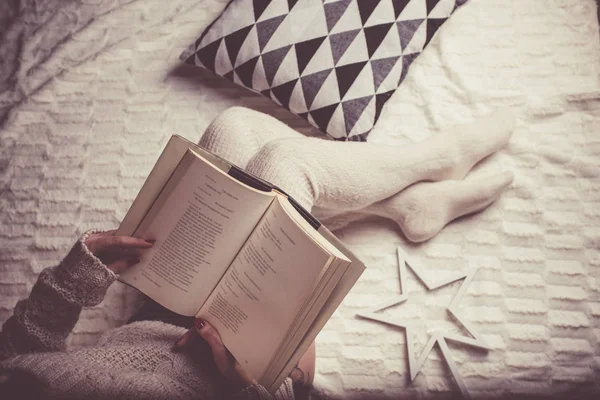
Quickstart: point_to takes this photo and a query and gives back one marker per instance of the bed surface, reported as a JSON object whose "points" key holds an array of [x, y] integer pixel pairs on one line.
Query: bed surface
{"points": [[88, 101]]}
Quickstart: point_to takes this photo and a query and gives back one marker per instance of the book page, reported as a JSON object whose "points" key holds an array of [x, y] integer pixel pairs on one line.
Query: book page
{"points": [[264, 288], [340, 291], [200, 221], [305, 318], [343, 286], [159, 176]]}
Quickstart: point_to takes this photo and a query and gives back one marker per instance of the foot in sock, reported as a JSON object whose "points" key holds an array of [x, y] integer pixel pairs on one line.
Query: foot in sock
{"points": [[422, 210], [461, 147]]}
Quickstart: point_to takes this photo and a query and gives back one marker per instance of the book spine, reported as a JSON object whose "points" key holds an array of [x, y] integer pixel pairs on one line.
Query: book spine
{"points": [[314, 222], [250, 179]]}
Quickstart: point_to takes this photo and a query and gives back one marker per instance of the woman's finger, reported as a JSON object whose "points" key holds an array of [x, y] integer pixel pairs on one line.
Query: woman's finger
{"points": [[213, 339], [225, 362], [122, 264], [185, 339], [112, 243], [129, 252]]}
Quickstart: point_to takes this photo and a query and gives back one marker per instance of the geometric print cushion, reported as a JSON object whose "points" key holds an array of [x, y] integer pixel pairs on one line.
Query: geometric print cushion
{"points": [[334, 63]]}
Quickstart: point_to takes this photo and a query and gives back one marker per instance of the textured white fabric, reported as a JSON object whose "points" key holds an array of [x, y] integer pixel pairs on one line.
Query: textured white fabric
{"points": [[75, 152]]}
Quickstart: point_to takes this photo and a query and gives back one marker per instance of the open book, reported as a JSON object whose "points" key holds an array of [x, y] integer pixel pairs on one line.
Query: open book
{"points": [[239, 253]]}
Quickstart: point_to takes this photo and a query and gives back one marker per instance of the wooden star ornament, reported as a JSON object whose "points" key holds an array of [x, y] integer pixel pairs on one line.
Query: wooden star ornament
{"points": [[438, 337]]}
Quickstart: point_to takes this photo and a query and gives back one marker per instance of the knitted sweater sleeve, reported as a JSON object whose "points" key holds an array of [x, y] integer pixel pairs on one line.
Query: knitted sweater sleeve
{"points": [[42, 322]]}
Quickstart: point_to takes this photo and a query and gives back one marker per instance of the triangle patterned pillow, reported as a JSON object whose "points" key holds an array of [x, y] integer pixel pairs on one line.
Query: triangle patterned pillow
{"points": [[334, 63]]}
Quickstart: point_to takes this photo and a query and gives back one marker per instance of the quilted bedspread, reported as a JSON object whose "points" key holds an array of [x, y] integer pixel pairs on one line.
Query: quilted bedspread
{"points": [[90, 91]]}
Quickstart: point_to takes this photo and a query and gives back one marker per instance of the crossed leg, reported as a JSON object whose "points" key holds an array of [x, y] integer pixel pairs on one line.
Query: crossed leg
{"points": [[420, 186]]}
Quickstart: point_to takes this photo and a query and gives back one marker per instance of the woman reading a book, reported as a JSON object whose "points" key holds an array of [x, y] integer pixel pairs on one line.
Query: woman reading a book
{"points": [[421, 186], [146, 359]]}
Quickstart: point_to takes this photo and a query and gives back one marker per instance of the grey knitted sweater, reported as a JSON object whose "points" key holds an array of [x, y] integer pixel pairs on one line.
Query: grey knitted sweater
{"points": [[135, 361]]}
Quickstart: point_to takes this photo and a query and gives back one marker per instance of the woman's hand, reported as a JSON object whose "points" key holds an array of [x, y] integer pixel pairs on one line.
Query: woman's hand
{"points": [[226, 363], [116, 252]]}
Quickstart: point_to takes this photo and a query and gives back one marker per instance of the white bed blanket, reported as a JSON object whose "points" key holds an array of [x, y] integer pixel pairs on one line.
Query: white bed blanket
{"points": [[87, 106]]}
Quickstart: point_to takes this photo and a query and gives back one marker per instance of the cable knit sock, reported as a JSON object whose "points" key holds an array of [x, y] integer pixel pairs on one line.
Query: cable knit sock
{"points": [[239, 133], [422, 210], [348, 176], [466, 145], [336, 177]]}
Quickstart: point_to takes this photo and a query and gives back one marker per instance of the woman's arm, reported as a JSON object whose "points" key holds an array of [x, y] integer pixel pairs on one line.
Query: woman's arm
{"points": [[42, 322]]}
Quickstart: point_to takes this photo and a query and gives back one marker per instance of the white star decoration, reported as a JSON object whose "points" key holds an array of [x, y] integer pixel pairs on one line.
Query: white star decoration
{"points": [[441, 338]]}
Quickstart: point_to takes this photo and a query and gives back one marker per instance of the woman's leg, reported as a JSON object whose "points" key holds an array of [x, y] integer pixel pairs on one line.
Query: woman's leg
{"points": [[422, 210], [350, 176], [239, 133], [425, 208]]}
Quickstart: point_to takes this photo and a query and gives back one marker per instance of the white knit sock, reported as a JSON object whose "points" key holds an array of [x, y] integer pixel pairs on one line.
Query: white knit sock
{"points": [[422, 210], [335, 177], [239, 133], [349, 176]]}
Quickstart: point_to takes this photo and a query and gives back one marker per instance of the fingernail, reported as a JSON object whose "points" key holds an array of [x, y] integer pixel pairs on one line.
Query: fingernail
{"points": [[151, 241], [134, 261], [199, 323]]}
